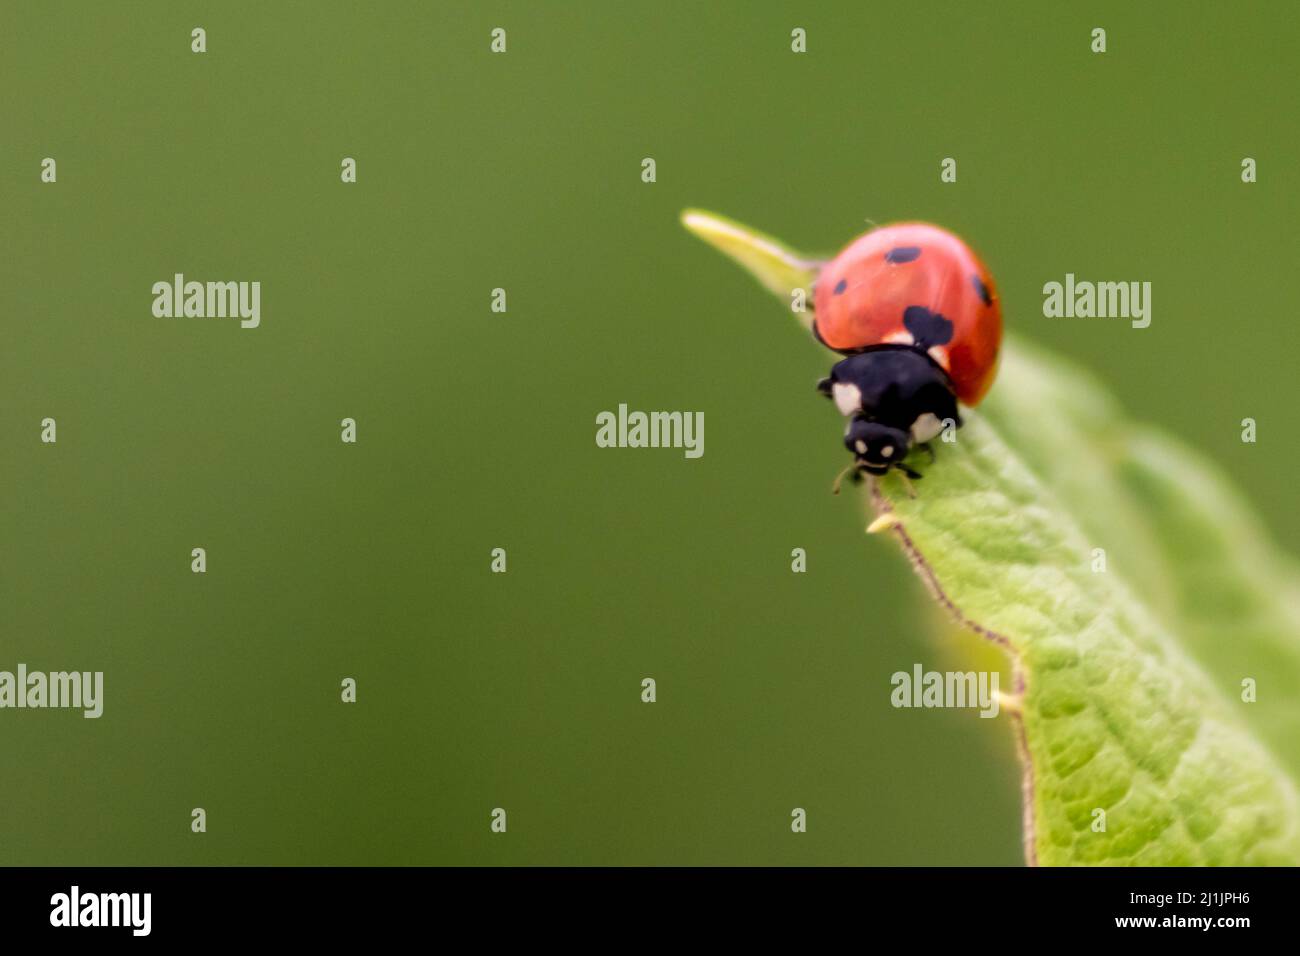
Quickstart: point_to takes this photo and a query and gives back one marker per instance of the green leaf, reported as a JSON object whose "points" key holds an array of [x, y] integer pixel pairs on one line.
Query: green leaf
{"points": [[1129, 681], [778, 268]]}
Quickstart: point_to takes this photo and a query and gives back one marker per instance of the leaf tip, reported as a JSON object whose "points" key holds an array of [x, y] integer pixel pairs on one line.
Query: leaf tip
{"points": [[1011, 703], [706, 225], [883, 522]]}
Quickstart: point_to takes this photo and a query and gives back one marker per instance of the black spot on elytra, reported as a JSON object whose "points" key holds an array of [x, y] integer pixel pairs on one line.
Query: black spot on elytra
{"points": [[927, 328], [841, 286], [982, 290], [900, 254]]}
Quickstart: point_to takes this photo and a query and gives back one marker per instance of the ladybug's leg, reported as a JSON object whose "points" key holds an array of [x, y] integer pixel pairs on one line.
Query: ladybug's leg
{"points": [[824, 386], [925, 446]]}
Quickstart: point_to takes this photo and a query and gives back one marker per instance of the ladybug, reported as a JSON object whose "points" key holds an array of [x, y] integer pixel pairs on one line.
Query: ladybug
{"points": [[916, 314]]}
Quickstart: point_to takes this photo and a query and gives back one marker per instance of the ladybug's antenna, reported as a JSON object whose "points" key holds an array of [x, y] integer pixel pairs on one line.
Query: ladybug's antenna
{"points": [[839, 479], [908, 476]]}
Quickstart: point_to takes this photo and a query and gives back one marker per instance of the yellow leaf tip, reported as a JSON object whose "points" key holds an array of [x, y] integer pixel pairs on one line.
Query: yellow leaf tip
{"points": [[1013, 703], [705, 224], [884, 522]]}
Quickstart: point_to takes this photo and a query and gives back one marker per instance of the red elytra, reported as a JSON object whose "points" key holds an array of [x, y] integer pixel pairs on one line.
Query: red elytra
{"points": [[863, 293]]}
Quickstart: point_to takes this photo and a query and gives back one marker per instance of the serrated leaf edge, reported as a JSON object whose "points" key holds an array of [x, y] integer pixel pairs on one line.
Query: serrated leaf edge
{"points": [[888, 519]]}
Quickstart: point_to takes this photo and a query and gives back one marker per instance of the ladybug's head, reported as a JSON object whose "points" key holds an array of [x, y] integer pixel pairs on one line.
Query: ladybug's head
{"points": [[876, 448]]}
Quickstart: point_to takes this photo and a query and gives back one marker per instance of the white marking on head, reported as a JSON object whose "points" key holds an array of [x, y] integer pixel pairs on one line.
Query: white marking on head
{"points": [[926, 427], [848, 399], [861, 446], [886, 451]]}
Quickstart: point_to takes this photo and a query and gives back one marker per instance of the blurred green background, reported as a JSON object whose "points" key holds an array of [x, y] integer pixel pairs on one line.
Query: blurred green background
{"points": [[476, 430]]}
